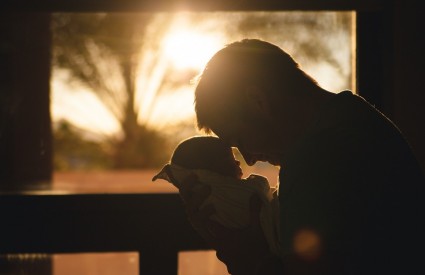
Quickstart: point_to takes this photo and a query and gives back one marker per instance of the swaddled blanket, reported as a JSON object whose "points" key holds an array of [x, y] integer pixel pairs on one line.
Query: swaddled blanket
{"points": [[231, 196]]}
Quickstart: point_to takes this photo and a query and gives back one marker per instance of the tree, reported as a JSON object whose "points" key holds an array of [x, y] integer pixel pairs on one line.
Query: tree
{"points": [[73, 151], [315, 39], [103, 52], [110, 53]]}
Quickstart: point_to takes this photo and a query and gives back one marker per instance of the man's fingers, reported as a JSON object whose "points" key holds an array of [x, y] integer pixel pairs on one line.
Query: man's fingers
{"points": [[197, 197], [225, 233], [199, 194], [220, 231], [187, 185], [199, 220], [202, 215], [255, 205]]}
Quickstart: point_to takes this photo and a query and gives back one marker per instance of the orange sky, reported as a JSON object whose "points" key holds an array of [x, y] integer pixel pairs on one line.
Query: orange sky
{"points": [[184, 46]]}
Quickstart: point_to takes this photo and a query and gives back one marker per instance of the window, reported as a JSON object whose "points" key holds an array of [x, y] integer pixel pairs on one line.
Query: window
{"points": [[122, 96]]}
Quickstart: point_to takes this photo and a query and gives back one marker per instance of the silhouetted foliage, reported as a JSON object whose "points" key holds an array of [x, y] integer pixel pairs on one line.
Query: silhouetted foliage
{"points": [[147, 148], [316, 34], [73, 151], [103, 52]]}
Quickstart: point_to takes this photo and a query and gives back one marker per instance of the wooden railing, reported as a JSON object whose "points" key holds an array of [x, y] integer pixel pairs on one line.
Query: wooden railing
{"points": [[155, 225]]}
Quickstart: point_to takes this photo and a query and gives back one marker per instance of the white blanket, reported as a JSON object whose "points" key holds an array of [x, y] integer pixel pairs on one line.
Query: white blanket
{"points": [[231, 196]]}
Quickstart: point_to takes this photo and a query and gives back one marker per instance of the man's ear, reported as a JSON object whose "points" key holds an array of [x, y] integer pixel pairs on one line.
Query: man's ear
{"points": [[256, 98]]}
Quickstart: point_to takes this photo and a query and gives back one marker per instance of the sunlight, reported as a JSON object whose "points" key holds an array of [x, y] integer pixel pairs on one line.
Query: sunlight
{"points": [[184, 47], [81, 107], [190, 49], [173, 108], [177, 46]]}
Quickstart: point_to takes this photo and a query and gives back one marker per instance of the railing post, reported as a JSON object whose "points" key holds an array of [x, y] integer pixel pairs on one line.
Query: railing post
{"points": [[158, 261]]}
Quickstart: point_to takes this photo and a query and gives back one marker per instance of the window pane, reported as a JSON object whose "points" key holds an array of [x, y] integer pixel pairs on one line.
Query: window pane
{"points": [[200, 262], [113, 263], [122, 95]]}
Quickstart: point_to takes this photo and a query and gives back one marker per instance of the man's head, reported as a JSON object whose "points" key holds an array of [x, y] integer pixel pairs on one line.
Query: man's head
{"points": [[248, 94], [207, 152]]}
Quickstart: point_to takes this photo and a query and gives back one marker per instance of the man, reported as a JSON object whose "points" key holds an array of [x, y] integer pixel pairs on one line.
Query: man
{"points": [[351, 190]]}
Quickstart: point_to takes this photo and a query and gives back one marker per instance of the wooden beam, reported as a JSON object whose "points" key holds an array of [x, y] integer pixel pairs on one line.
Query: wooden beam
{"points": [[95, 223], [192, 5]]}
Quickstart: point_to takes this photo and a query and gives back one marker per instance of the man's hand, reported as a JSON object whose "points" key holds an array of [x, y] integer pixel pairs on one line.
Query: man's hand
{"points": [[193, 194], [242, 250]]}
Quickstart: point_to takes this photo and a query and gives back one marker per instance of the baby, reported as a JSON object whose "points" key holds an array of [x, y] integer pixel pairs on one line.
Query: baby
{"points": [[215, 165]]}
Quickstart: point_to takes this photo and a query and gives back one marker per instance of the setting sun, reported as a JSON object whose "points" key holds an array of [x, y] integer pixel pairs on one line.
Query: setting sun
{"points": [[190, 49], [174, 49]]}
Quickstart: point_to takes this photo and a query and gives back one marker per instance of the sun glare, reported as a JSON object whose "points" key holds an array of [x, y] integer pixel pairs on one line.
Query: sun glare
{"points": [[190, 49], [163, 91]]}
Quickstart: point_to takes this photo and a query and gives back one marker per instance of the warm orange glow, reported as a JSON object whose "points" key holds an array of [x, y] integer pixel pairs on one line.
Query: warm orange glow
{"points": [[177, 46], [190, 49], [307, 244], [185, 48]]}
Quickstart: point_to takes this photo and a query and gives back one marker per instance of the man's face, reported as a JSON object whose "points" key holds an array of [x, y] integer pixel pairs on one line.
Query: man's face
{"points": [[245, 120], [256, 139]]}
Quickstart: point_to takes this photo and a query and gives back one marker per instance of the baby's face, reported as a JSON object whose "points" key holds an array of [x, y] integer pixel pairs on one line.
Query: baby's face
{"points": [[229, 166]]}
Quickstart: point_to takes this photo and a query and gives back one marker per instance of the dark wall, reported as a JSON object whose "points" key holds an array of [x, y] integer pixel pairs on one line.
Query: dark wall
{"points": [[25, 138], [409, 74], [390, 67]]}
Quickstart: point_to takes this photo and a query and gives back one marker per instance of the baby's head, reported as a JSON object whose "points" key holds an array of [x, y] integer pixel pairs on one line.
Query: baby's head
{"points": [[209, 153]]}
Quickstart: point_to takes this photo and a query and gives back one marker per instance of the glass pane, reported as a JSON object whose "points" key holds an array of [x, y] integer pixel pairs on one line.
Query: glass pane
{"points": [[112, 263], [200, 262], [122, 95]]}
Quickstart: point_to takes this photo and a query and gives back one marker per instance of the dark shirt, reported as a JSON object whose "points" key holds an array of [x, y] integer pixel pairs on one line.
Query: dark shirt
{"points": [[351, 196]]}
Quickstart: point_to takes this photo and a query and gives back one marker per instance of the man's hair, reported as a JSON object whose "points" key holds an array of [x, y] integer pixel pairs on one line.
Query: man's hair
{"points": [[200, 152], [239, 65]]}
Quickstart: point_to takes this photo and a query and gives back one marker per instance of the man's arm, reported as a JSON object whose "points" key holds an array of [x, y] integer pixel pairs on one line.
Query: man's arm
{"points": [[244, 251]]}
